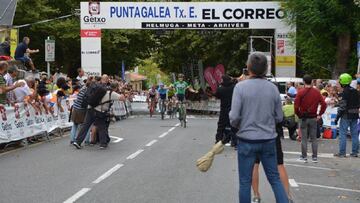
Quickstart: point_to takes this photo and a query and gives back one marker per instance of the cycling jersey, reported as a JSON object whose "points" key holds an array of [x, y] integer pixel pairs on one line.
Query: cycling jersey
{"points": [[180, 87], [162, 92], [152, 93]]}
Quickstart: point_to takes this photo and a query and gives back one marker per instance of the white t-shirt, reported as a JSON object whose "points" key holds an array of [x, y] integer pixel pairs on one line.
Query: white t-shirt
{"points": [[105, 107], [81, 79], [22, 92]]}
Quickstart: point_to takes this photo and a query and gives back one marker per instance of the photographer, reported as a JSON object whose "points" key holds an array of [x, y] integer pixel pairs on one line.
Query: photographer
{"points": [[99, 116], [306, 107]]}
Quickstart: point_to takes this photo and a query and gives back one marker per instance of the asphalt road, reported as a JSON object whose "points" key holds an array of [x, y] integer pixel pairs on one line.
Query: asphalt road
{"points": [[155, 163]]}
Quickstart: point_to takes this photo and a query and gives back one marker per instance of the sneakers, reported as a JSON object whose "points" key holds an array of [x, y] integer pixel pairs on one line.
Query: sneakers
{"points": [[303, 159], [340, 155], [314, 160], [256, 200], [354, 155], [102, 147], [77, 145]]}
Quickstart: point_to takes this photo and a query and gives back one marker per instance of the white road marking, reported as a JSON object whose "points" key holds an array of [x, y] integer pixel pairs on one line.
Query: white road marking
{"points": [[108, 173], [132, 156], [163, 135], [171, 129], [77, 195], [151, 143], [293, 183], [117, 139], [312, 167], [177, 125], [322, 155], [329, 187]]}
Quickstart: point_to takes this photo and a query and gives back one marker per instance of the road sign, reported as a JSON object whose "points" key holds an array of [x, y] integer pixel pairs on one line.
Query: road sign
{"points": [[49, 50], [358, 49]]}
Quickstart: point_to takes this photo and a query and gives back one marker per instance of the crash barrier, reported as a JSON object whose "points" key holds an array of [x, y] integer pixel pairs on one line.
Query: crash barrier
{"points": [[138, 98], [23, 120], [204, 105]]}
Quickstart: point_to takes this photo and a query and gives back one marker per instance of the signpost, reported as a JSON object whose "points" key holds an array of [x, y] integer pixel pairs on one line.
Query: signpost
{"points": [[49, 53]]}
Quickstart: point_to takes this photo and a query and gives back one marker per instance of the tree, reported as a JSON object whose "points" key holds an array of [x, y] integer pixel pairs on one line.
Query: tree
{"points": [[326, 33]]}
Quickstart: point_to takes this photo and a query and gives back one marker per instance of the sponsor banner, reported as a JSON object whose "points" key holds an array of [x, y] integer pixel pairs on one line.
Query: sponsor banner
{"points": [[329, 117], [90, 33], [285, 61], [181, 15], [91, 55], [23, 120]]}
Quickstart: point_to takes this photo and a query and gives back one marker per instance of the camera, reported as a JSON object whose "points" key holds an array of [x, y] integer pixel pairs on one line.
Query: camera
{"points": [[245, 71]]}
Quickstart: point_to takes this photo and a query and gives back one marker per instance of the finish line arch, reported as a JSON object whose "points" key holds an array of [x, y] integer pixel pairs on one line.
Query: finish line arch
{"points": [[96, 16]]}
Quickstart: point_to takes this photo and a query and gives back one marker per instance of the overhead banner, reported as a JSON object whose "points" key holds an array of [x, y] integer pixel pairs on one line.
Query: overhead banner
{"points": [[181, 15]]}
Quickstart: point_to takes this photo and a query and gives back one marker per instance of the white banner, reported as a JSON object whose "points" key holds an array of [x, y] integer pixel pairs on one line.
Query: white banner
{"points": [[91, 51], [181, 15], [22, 120]]}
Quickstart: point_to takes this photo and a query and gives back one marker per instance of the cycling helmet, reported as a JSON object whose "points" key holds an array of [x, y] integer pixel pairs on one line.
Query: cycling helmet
{"points": [[181, 75], [345, 79], [161, 84]]}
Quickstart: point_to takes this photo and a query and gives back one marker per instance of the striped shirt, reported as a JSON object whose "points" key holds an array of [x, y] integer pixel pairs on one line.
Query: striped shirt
{"points": [[79, 99]]}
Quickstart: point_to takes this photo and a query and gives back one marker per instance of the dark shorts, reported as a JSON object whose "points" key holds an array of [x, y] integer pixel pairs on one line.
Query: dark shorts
{"points": [[279, 153], [163, 96], [180, 97], [24, 59]]}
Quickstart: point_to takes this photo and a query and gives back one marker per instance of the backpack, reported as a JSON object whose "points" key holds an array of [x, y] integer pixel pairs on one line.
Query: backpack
{"points": [[94, 94]]}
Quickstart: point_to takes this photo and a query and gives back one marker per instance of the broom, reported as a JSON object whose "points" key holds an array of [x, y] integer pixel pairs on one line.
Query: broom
{"points": [[204, 163]]}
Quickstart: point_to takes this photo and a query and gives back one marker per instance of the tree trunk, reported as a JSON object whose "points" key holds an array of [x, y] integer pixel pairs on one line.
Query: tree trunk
{"points": [[342, 54]]}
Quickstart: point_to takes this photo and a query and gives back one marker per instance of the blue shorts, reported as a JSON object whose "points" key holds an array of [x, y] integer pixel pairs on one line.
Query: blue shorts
{"points": [[163, 96], [24, 59]]}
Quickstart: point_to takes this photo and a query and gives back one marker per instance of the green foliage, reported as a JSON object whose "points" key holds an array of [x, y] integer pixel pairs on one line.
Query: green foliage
{"points": [[152, 71], [319, 24]]}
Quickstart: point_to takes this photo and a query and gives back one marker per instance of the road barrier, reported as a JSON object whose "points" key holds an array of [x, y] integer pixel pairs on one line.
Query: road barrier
{"points": [[22, 120], [204, 105]]}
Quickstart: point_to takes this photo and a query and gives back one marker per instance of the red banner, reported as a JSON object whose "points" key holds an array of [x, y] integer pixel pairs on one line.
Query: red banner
{"points": [[218, 72], [90, 33], [208, 74]]}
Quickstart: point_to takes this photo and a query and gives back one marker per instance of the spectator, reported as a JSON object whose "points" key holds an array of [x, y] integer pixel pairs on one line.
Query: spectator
{"points": [[10, 79], [306, 107], [5, 47], [224, 92], [99, 117], [256, 117], [290, 120], [81, 76], [23, 93], [78, 113], [291, 91], [22, 53], [348, 112], [3, 88]]}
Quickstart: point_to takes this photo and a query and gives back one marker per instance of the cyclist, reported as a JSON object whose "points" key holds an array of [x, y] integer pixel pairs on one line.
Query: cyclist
{"points": [[162, 92], [152, 96], [181, 86]]}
